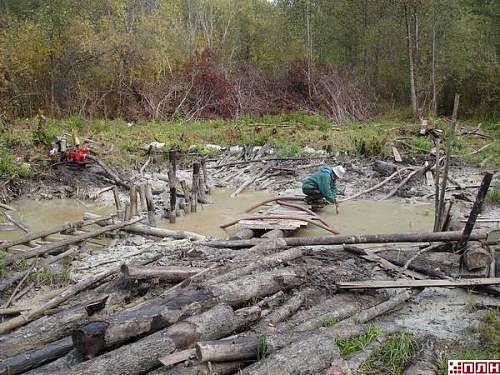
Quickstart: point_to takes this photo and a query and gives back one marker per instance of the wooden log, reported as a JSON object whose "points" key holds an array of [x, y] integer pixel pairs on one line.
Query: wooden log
{"points": [[187, 195], [475, 257], [209, 368], [142, 194], [172, 182], [35, 358], [169, 273], [54, 302], [163, 233], [150, 204], [355, 239], [451, 141], [163, 312], [275, 233], [143, 355], [242, 234], [59, 366], [301, 208], [6, 207], [133, 201], [42, 331], [205, 175], [227, 350], [384, 168], [195, 186], [44, 233], [118, 204], [376, 284], [47, 249], [475, 211]]}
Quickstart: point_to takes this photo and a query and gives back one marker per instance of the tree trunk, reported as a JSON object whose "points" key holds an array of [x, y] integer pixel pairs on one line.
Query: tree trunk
{"points": [[169, 273], [34, 358], [355, 239], [227, 350], [163, 312], [413, 93], [61, 365], [143, 355]]}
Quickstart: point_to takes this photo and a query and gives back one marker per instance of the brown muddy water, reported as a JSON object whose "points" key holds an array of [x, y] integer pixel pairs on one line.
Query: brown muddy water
{"points": [[359, 217], [45, 214]]}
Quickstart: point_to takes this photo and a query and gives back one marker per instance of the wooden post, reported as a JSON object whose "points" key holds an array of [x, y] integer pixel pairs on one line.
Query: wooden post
{"points": [[205, 175], [437, 141], [448, 156], [127, 215], [187, 195], [476, 209], [118, 204], [172, 181], [133, 201], [142, 193], [195, 186], [150, 204]]}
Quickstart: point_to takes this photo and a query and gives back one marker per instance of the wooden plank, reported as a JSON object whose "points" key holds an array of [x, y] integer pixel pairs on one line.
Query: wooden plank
{"points": [[177, 357], [375, 284], [397, 155]]}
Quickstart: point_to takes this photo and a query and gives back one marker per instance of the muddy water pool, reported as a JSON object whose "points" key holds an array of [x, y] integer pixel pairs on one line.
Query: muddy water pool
{"points": [[359, 217], [43, 214]]}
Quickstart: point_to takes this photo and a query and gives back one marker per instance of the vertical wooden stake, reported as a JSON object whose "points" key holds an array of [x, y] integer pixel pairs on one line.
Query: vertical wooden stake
{"points": [[476, 210], [172, 181], [118, 204], [205, 176], [127, 215], [142, 194], [150, 204], [187, 195], [451, 141], [195, 186], [133, 201]]}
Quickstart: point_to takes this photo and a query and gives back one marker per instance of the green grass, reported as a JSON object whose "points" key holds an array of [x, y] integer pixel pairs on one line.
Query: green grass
{"points": [[420, 144], [393, 356], [262, 349], [358, 343], [47, 276], [10, 168], [493, 195], [329, 322]]}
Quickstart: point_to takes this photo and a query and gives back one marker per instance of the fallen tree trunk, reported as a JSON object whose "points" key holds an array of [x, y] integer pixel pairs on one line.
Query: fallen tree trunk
{"points": [[355, 239], [219, 368], [61, 365], [163, 312], [160, 232], [375, 284], [143, 355], [47, 249], [45, 330], [28, 360], [169, 273], [227, 350]]}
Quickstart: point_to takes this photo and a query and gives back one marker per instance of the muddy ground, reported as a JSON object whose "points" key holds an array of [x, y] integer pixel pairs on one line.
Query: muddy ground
{"points": [[444, 316]]}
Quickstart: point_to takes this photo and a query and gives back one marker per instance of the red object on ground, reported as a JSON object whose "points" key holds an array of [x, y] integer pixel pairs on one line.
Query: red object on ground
{"points": [[77, 155]]}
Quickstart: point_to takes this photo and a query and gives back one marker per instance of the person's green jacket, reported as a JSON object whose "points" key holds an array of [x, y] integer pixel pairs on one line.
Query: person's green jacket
{"points": [[323, 182]]}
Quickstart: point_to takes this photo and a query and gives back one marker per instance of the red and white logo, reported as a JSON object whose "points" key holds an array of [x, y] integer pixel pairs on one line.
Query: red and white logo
{"points": [[473, 367]]}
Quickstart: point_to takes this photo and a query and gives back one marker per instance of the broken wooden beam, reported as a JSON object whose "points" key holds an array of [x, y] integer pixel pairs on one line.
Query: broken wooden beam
{"points": [[376, 284]]}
